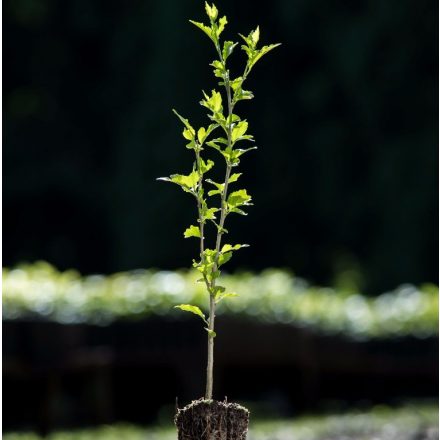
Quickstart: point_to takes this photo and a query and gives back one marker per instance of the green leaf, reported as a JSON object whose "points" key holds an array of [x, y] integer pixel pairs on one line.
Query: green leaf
{"points": [[241, 95], [235, 154], [211, 333], [234, 177], [211, 11], [224, 258], [187, 134], [260, 53], [214, 145], [232, 118], [247, 40], [238, 198], [221, 140], [251, 40], [213, 102], [225, 295], [206, 29], [226, 252], [221, 25], [219, 186], [205, 166], [214, 192], [236, 83], [228, 47], [235, 247], [201, 134], [192, 309], [191, 145], [192, 231], [210, 129], [239, 130], [206, 266], [255, 36], [219, 70], [209, 213], [218, 290], [188, 183], [185, 122]]}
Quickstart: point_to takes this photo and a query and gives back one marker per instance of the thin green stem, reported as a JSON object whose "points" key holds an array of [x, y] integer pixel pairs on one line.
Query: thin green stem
{"points": [[200, 215], [220, 231]]}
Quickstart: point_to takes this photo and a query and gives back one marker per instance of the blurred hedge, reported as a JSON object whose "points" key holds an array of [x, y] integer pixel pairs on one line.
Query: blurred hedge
{"points": [[40, 291]]}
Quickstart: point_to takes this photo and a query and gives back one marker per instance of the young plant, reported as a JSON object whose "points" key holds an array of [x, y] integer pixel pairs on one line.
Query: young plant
{"points": [[228, 134]]}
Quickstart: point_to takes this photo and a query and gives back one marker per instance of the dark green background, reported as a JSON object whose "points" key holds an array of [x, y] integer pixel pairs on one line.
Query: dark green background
{"points": [[345, 115]]}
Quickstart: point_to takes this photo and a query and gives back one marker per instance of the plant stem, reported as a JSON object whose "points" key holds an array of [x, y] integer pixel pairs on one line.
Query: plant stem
{"points": [[201, 221], [220, 231], [210, 366]]}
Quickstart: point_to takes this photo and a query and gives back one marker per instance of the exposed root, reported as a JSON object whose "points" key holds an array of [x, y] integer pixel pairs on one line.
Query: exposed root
{"points": [[212, 420]]}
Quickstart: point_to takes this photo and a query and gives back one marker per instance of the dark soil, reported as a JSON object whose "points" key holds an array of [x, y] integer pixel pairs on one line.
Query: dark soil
{"points": [[212, 420]]}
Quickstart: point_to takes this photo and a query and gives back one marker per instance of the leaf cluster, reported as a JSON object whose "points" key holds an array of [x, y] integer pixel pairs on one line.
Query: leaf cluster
{"points": [[227, 133]]}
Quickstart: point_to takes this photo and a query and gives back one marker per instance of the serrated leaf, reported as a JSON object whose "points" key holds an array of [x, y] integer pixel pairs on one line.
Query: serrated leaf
{"points": [[205, 166], [192, 309], [238, 198], [247, 40], [213, 102], [211, 11], [209, 213], [219, 69], [217, 64], [260, 53], [236, 83], [241, 94], [190, 181], [206, 29], [192, 231], [221, 25], [239, 130], [255, 36]]}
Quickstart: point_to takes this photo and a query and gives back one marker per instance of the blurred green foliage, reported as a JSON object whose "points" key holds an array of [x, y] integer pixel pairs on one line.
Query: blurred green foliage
{"points": [[349, 104], [273, 295], [381, 423]]}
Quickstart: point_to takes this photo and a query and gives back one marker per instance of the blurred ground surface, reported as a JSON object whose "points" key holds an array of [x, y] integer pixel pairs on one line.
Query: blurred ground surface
{"points": [[412, 422]]}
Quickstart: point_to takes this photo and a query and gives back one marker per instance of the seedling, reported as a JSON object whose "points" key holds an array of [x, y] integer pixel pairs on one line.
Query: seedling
{"points": [[227, 133]]}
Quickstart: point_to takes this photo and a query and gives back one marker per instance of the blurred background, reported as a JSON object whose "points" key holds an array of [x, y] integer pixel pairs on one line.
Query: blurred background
{"points": [[345, 189]]}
